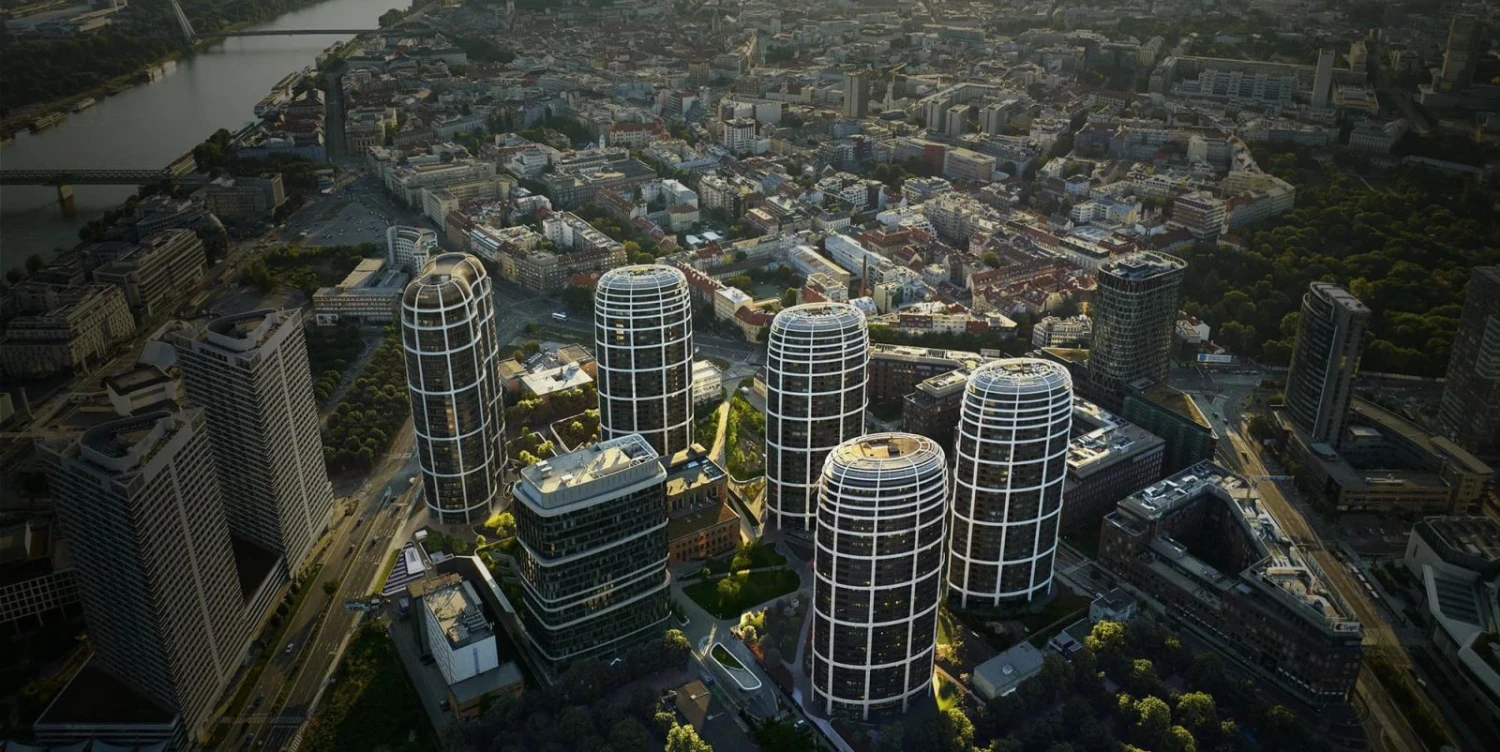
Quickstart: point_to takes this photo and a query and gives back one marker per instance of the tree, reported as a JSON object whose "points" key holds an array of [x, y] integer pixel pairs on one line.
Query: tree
{"points": [[1143, 679], [784, 736], [15, 274], [1106, 638], [1153, 718], [685, 739], [789, 298], [532, 347], [34, 263], [1196, 711], [728, 590], [1179, 739], [629, 736], [991, 259], [330, 587]]}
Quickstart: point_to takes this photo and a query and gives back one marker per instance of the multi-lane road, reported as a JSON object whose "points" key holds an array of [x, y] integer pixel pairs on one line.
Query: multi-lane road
{"points": [[356, 548]]}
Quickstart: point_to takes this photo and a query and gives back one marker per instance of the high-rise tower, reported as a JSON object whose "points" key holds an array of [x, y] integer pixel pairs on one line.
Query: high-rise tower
{"points": [[856, 95], [817, 357], [592, 526], [448, 332], [877, 574], [138, 502], [1134, 311], [1465, 47], [1012, 451], [1322, 92], [249, 374], [643, 336], [1470, 412], [1325, 359]]}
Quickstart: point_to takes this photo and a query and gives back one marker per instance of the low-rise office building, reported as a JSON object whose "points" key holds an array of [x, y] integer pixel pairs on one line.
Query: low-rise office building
{"points": [[1108, 458], [702, 523], [81, 327], [461, 638], [592, 528], [368, 294], [932, 407], [1455, 559], [895, 370], [1387, 464], [158, 272], [1201, 544], [1173, 415]]}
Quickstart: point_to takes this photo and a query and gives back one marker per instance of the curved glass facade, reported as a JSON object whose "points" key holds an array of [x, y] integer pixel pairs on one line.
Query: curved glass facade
{"points": [[877, 574], [816, 372], [1012, 452], [643, 336], [448, 334]]}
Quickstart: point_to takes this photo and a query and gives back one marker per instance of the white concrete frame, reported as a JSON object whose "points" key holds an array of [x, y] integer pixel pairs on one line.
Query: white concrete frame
{"points": [[409, 248], [623, 299], [1002, 399], [473, 311], [813, 339], [884, 490]]}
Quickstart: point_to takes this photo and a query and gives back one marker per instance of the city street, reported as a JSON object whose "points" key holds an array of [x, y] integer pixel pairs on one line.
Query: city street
{"points": [[319, 626]]}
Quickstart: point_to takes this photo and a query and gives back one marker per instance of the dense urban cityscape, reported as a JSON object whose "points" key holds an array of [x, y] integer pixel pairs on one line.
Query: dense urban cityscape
{"points": [[860, 375]]}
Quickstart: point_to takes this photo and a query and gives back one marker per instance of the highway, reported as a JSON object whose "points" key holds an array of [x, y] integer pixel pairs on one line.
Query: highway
{"points": [[283, 694], [1378, 636]]}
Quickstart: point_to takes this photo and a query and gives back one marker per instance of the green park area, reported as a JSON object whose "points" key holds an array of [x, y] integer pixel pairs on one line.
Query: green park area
{"points": [[744, 438], [739, 589], [734, 594], [372, 704]]}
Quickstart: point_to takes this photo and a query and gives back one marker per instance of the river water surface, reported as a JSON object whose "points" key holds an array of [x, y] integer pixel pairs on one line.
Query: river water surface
{"points": [[149, 125]]}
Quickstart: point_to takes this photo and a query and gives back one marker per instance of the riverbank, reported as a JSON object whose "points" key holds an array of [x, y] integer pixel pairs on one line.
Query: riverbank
{"points": [[19, 119]]}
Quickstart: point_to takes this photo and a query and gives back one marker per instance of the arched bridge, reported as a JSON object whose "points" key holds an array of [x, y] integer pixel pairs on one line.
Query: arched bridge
{"points": [[191, 35], [82, 177]]}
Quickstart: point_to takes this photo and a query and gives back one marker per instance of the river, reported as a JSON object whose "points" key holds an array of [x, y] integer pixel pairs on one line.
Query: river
{"points": [[149, 125]]}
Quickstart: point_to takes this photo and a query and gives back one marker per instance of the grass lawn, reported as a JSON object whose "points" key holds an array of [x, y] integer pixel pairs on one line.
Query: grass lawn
{"points": [[755, 589], [945, 628], [762, 555], [723, 656], [947, 693], [372, 704]]}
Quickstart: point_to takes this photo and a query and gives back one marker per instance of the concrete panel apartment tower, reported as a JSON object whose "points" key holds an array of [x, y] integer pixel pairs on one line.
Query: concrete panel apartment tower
{"points": [[816, 371], [139, 505], [592, 525], [643, 336], [1012, 451], [877, 574], [448, 333], [1470, 412], [249, 374], [1325, 359], [1135, 309]]}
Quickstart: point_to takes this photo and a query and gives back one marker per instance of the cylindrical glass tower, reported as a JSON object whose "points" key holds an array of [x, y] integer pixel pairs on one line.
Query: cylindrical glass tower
{"points": [[1012, 452], [877, 572], [816, 364], [643, 333], [448, 332]]}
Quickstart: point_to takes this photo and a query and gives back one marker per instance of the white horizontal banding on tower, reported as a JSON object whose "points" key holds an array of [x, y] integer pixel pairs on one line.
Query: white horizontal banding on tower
{"points": [[643, 333], [817, 360], [1011, 453], [448, 338], [877, 569]]}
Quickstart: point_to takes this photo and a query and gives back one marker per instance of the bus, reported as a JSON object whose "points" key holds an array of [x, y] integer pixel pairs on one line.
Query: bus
{"points": [[559, 316]]}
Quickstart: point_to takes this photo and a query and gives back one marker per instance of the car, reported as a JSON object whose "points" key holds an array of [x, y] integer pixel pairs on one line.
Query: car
{"points": [[290, 646], [445, 705], [258, 700]]}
